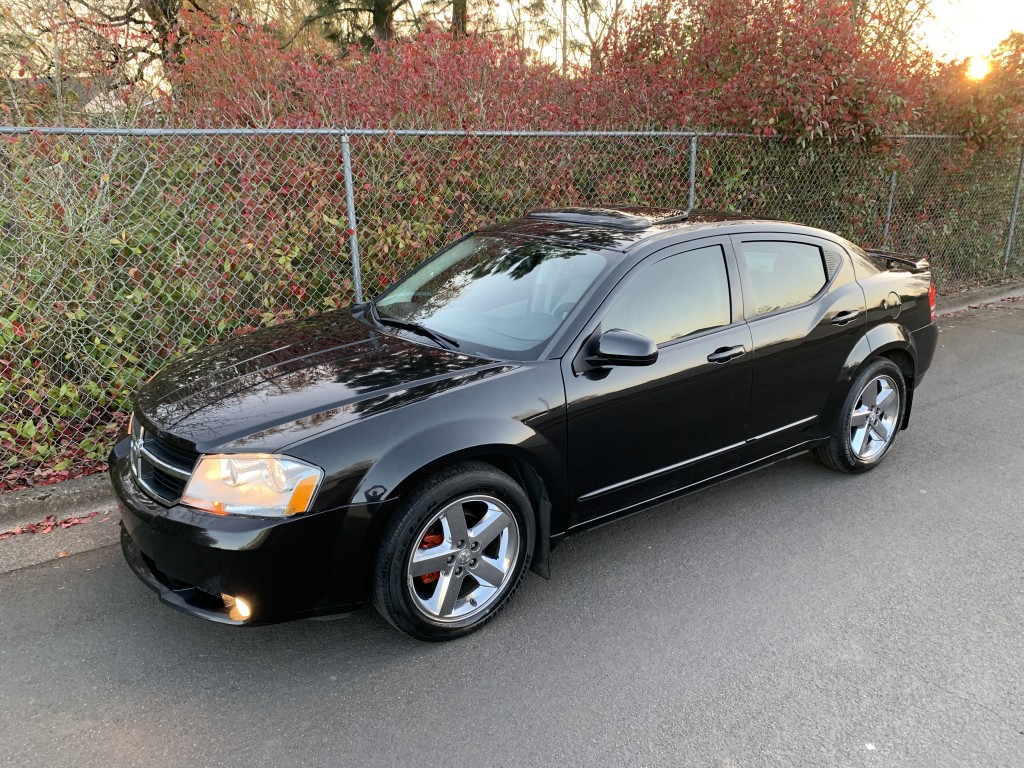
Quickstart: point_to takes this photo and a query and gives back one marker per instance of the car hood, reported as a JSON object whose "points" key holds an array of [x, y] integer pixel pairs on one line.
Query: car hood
{"points": [[278, 385]]}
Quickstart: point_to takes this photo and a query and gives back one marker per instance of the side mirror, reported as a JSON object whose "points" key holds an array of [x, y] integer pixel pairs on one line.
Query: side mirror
{"points": [[619, 347]]}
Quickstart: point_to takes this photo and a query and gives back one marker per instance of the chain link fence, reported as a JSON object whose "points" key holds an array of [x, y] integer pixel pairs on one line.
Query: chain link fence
{"points": [[122, 248]]}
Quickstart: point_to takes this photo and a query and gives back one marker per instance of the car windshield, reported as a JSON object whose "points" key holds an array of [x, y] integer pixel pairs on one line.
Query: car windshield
{"points": [[497, 295]]}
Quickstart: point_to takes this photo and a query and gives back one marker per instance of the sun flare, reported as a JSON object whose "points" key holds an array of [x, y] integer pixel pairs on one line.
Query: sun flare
{"points": [[978, 68]]}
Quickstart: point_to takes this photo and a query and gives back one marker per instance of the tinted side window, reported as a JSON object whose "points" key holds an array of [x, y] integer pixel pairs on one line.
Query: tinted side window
{"points": [[675, 297], [782, 274]]}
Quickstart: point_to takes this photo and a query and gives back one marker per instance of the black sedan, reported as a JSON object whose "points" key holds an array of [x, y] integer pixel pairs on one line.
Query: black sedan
{"points": [[424, 450]]}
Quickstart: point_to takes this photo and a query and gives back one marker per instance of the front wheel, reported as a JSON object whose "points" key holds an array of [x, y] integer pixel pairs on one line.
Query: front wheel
{"points": [[454, 553], [870, 419]]}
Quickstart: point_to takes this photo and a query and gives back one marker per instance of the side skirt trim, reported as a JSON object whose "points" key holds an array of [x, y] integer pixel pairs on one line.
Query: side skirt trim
{"points": [[735, 471], [694, 460]]}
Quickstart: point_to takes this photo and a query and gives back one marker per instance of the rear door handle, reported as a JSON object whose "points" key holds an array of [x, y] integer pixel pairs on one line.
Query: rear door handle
{"points": [[846, 317], [725, 354]]}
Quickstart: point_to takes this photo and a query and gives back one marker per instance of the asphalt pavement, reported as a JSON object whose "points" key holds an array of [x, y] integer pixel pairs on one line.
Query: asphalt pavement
{"points": [[792, 617]]}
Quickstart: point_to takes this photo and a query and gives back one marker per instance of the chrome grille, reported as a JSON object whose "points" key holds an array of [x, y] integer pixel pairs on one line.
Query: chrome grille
{"points": [[161, 470]]}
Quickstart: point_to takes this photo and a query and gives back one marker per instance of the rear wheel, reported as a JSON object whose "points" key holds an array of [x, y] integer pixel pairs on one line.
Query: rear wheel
{"points": [[454, 553], [869, 421]]}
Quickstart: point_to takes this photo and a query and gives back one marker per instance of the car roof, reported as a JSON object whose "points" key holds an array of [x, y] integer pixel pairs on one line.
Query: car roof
{"points": [[618, 227]]}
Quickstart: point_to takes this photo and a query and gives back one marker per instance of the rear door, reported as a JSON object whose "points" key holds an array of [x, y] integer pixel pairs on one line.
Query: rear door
{"points": [[806, 313], [636, 433]]}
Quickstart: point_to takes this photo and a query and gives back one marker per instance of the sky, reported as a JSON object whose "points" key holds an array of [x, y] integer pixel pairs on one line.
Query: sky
{"points": [[971, 28]]}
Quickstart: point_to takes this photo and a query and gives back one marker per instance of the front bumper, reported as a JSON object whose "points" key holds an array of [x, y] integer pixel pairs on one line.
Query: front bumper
{"points": [[284, 568], [191, 600]]}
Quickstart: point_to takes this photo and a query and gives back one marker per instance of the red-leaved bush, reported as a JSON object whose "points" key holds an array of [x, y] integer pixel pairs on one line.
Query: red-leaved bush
{"points": [[809, 70], [234, 74], [790, 67], [762, 66]]}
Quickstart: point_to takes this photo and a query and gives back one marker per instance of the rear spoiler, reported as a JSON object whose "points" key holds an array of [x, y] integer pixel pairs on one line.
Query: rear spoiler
{"points": [[900, 261]]}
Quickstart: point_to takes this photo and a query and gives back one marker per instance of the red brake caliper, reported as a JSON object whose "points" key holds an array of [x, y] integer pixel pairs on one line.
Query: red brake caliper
{"points": [[431, 540]]}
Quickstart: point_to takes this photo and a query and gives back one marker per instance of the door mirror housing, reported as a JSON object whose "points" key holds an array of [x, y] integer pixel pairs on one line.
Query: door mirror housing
{"points": [[619, 347]]}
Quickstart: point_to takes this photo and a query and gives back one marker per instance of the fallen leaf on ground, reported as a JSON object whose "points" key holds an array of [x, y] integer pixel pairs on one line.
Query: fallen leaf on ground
{"points": [[48, 524]]}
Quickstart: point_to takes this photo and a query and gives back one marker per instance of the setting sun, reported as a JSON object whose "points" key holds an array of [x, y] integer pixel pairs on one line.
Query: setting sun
{"points": [[978, 68]]}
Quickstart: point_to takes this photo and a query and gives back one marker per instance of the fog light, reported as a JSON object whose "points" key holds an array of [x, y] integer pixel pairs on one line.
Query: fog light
{"points": [[238, 609]]}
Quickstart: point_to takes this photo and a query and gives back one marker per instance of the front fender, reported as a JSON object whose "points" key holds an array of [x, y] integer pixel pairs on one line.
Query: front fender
{"points": [[415, 455], [375, 459], [397, 471]]}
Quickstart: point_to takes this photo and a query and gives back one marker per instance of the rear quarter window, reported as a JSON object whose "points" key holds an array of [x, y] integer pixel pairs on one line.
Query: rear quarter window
{"points": [[782, 274]]}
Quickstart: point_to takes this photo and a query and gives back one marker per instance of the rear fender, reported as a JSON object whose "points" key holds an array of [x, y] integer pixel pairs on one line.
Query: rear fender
{"points": [[874, 343]]}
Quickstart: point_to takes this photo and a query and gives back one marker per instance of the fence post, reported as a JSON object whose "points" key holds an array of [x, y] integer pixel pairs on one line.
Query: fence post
{"points": [[1013, 214], [693, 173], [350, 203], [888, 210]]}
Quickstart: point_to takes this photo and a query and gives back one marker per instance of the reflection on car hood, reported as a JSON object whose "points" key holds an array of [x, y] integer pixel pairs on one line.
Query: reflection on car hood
{"points": [[278, 384]]}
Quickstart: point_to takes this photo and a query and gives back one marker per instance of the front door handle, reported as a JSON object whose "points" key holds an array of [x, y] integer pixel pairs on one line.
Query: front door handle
{"points": [[846, 317], [725, 354]]}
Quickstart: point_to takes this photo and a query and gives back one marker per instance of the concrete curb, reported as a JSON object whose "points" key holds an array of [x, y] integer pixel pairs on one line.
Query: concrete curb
{"points": [[66, 499], [94, 493], [967, 299]]}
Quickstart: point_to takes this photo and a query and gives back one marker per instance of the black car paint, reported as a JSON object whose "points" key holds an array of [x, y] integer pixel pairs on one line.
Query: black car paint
{"points": [[608, 466], [379, 409]]}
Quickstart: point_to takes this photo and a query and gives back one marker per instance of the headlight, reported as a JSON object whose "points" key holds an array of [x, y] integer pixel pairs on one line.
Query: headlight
{"points": [[252, 484]]}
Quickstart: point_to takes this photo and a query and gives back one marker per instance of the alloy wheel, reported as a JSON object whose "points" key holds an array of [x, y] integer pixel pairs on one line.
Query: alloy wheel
{"points": [[463, 558], [873, 422]]}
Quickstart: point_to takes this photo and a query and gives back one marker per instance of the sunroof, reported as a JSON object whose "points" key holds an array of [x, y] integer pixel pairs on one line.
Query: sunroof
{"points": [[630, 218]]}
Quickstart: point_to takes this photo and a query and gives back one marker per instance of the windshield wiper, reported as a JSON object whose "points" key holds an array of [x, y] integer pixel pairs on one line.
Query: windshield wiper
{"points": [[444, 341]]}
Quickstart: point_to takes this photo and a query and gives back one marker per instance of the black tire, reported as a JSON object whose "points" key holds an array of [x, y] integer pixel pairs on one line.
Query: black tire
{"points": [[838, 453], [402, 598]]}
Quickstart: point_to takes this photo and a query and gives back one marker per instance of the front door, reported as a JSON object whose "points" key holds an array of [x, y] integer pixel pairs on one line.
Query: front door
{"points": [[637, 433]]}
